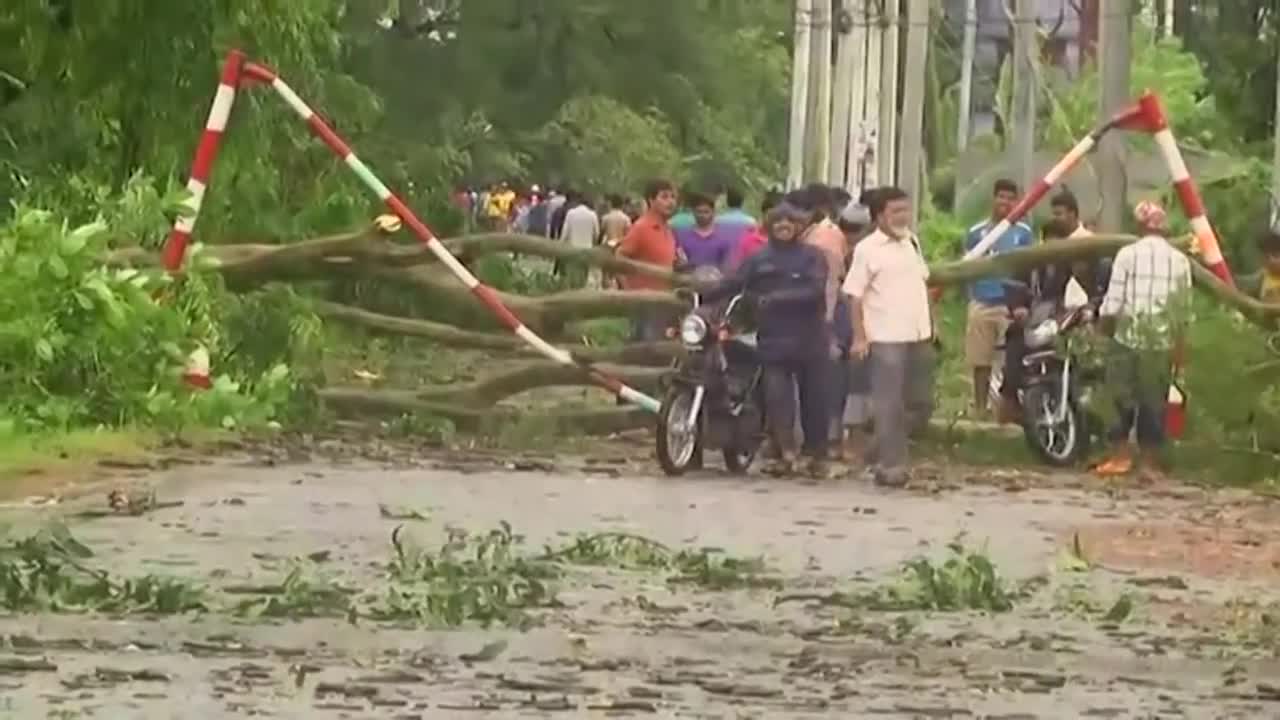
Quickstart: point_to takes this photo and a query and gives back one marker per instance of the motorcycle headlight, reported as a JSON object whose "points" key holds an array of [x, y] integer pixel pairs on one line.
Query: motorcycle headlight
{"points": [[1042, 334], [693, 330]]}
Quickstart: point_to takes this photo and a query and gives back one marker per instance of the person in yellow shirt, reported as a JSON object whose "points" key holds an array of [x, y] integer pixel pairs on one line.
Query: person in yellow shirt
{"points": [[1265, 283], [501, 200]]}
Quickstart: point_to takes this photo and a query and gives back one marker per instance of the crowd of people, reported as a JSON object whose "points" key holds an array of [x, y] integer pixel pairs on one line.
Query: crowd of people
{"points": [[847, 324]]}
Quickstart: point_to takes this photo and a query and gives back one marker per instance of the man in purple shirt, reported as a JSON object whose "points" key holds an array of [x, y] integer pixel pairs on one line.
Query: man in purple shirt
{"points": [[705, 244]]}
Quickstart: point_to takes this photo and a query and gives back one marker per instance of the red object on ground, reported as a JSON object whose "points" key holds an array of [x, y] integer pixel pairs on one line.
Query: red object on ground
{"points": [[1175, 413]]}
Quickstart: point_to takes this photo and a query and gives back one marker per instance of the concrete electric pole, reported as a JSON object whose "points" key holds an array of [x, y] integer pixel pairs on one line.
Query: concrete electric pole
{"points": [[911, 152], [1114, 44]]}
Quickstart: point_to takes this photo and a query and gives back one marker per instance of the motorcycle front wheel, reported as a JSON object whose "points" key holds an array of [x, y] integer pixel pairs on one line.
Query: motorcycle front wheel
{"points": [[677, 440], [1059, 443], [737, 460]]}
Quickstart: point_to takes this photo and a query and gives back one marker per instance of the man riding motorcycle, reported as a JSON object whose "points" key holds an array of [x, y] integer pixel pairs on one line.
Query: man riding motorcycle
{"points": [[1047, 291], [787, 281]]}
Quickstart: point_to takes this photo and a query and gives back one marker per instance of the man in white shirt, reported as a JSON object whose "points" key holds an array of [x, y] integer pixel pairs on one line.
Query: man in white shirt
{"points": [[892, 327], [581, 230], [1146, 309]]}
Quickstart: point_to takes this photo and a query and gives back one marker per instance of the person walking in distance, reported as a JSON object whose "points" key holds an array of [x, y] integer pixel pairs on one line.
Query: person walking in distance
{"points": [[580, 230], [892, 327], [614, 226], [1145, 311], [650, 240], [788, 281], [988, 318]]}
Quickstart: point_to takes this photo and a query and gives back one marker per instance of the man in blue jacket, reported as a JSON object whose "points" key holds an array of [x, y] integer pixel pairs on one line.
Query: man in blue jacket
{"points": [[788, 281]]}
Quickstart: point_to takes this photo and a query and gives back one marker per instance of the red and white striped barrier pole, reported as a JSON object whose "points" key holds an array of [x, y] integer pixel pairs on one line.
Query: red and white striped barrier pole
{"points": [[202, 167], [1157, 123], [1147, 115], [197, 371], [1042, 186], [486, 295]]}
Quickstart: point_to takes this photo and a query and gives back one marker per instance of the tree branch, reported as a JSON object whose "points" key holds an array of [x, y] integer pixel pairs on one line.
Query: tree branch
{"points": [[393, 403], [654, 353], [488, 391]]}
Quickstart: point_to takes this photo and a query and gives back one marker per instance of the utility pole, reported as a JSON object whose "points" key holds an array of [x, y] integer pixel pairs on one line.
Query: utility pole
{"points": [[818, 143], [1115, 23], [873, 78], [913, 92], [800, 59], [842, 95], [860, 74], [1025, 91], [887, 151], [967, 54], [1275, 163]]}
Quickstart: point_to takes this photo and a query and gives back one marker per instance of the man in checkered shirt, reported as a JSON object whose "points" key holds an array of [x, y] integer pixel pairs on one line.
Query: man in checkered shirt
{"points": [[1145, 310]]}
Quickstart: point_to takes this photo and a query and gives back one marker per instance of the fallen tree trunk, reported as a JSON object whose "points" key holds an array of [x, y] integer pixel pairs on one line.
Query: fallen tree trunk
{"points": [[655, 353], [491, 390], [1026, 259], [254, 263], [394, 403]]}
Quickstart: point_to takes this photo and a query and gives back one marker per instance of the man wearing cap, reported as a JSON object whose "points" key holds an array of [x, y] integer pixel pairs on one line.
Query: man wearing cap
{"points": [[788, 280], [1145, 310]]}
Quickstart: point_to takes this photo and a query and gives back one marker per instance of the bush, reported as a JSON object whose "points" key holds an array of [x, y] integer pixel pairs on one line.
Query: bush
{"points": [[83, 344]]}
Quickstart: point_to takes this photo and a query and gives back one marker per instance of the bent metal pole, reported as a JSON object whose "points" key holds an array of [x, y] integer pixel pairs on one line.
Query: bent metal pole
{"points": [[248, 71], [1148, 116]]}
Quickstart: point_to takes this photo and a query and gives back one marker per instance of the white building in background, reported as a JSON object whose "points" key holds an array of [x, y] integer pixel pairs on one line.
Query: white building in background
{"points": [[995, 33]]}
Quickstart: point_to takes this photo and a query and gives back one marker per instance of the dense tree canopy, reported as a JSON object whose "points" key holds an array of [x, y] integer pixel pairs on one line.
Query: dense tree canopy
{"points": [[497, 89]]}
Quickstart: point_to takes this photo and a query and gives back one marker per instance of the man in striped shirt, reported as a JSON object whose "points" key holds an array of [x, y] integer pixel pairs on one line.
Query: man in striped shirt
{"points": [[1145, 310]]}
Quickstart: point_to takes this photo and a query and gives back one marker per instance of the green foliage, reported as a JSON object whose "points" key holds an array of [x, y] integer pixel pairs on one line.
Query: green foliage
{"points": [[483, 578], [604, 145], [48, 571], [84, 344], [1160, 65], [86, 120], [521, 276], [709, 568], [965, 580], [304, 592]]}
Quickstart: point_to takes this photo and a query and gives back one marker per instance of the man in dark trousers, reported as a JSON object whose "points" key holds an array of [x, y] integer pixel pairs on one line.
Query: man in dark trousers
{"points": [[788, 280]]}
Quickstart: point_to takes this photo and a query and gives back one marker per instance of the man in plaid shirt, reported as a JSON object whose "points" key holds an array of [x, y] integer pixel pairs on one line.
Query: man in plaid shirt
{"points": [[1145, 310]]}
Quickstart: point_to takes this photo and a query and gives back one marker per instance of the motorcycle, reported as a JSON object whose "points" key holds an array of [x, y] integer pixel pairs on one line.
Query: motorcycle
{"points": [[1054, 393], [715, 398]]}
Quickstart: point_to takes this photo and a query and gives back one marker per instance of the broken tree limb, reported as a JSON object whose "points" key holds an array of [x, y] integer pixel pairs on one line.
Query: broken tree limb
{"points": [[394, 403], [1026, 259], [249, 263], [654, 353], [490, 390], [543, 314], [1265, 314]]}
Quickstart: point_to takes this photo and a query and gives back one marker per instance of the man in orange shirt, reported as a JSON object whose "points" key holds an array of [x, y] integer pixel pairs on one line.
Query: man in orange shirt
{"points": [[651, 241]]}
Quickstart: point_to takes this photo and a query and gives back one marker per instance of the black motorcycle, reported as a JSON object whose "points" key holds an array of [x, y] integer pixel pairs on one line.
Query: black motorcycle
{"points": [[715, 397], [1054, 392]]}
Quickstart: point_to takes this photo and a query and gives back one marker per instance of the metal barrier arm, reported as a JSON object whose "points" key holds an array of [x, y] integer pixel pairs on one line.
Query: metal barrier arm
{"points": [[1147, 115], [236, 71]]}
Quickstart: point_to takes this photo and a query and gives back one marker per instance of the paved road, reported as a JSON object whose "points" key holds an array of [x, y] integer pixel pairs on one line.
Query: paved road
{"points": [[627, 645]]}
